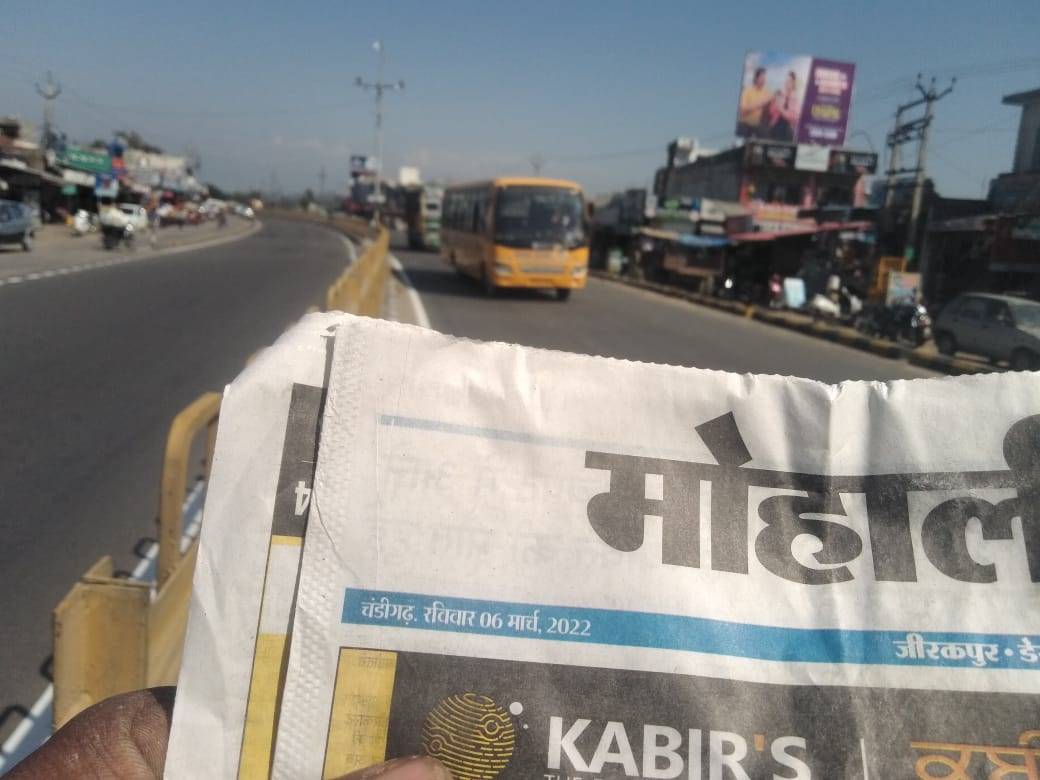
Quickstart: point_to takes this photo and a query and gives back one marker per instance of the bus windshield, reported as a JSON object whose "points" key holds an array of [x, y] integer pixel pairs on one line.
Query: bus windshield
{"points": [[530, 217]]}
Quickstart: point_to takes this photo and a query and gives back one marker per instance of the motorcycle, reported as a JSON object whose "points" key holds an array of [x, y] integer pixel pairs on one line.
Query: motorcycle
{"points": [[908, 324], [112, 235]]}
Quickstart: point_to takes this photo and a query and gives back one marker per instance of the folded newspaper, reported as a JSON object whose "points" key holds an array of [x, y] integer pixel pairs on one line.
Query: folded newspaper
{"points": [[532, 564]]}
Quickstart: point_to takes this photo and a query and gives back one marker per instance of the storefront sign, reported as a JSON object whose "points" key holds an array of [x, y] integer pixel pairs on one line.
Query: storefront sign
{"points": [[85, 160], [811, 158], [769, 155], [107, 186], [777, 217], [77, 178], [844, 161]]}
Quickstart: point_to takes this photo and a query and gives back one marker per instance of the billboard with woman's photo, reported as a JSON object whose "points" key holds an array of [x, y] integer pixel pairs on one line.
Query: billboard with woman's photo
{"points": [[794, 98]]}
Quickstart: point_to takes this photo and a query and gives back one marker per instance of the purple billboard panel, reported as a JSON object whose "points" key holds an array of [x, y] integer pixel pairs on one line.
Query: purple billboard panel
{"points": [[825, 110], [794, 98]]}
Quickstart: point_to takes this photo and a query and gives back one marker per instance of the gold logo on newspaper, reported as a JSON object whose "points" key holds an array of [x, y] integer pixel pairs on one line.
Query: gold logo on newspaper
{"points": [[954, 759], [471, 735]]}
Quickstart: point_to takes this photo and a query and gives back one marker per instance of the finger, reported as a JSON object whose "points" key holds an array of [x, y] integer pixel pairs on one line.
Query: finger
{"points": [[124, 736], [412, 768]]}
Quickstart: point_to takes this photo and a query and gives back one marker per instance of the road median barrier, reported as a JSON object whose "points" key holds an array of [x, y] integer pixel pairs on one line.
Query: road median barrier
{"points": [[115, 634], [805, 324]]}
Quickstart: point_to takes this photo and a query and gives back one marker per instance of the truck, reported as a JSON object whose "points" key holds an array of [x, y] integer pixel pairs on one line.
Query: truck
{"points": [[422, 213]]}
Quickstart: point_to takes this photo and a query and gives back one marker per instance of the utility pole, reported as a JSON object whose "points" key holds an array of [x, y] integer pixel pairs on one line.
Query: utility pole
{"points": [[49, 92], [321, 183], [379, 87], [908, 132]]}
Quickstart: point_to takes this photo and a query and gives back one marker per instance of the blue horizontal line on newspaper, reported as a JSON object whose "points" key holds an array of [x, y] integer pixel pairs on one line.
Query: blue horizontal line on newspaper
{"points": [[519, 437], [691, 634]]}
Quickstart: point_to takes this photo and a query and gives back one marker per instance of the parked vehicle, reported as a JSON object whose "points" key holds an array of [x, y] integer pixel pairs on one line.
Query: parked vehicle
{"points": [[84, 222], [905, 323], [998, 327], [16, 224]]}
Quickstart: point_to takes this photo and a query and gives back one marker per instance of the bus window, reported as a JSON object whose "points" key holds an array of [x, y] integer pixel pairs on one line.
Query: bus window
{"points": [[526, 217]]}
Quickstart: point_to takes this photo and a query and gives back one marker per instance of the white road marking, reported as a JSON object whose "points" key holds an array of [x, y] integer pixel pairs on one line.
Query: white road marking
{"points": [[421, 319], [147, 255]]}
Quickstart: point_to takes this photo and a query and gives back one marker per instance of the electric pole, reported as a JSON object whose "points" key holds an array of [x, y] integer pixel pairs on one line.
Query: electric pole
{"points": [[379, 87], [321, 183], [909, 132], [49, 92]]}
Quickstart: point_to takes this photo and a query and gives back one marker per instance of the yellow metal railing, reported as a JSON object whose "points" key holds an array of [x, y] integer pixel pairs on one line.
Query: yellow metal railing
{"points": [[114, 634]]}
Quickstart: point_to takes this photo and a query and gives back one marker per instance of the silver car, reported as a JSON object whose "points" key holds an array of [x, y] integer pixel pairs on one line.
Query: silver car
{"points": [[999, 327], [16, 224]]}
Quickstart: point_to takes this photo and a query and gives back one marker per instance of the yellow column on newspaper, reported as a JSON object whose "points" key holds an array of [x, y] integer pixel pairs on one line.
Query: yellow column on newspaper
{"points": [[288, 525], [270, 657], [360, 714]]}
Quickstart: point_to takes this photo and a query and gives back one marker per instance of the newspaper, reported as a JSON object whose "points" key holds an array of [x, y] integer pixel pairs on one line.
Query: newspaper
{"points": [[532, 564], [245, 578]]}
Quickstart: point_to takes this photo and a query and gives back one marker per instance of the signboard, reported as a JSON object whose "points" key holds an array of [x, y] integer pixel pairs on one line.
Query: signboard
{"points": [[811, 158], [107, 186], [903, 287], [769, 155], [777, 217], [85, 160], [361, 164], [844, 161], [794, 98]]}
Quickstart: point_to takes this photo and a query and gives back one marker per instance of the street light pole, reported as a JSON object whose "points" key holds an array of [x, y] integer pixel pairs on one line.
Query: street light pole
{"points": [[49, 92], [379, 87]]}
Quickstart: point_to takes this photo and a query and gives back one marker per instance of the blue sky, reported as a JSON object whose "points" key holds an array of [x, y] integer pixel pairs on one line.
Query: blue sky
{"points": [[264, 90]]}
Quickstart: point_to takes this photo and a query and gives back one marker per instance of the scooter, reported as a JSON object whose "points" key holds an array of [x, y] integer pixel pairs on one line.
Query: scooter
{"points": [[84, 222]]}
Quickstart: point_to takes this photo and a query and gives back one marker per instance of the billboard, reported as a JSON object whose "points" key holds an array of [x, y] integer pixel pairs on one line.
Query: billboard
{"points": [[794, 98]]}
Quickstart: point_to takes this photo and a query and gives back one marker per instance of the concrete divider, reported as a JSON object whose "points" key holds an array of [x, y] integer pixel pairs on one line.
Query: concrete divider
{"points": [[113, 634]]}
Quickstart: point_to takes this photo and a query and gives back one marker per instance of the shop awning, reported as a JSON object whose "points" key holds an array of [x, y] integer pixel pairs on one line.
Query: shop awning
{"points": [[773, 235], [19, 167], [685, 239]]}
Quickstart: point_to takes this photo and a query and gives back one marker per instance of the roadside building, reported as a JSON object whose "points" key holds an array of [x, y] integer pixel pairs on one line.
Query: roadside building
{"points": [[765, 208], [997, 249], [23, 169]]}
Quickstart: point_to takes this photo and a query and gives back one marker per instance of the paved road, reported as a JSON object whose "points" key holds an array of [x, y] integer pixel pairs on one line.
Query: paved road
{"points": [[610, 319], [93, 367]]}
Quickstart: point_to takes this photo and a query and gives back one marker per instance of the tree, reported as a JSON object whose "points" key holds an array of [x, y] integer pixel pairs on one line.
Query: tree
{"points": [[307, 198], [217, 192]]}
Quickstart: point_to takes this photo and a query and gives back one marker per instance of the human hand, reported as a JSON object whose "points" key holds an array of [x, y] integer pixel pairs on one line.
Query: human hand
{"points": [[126, 736]]}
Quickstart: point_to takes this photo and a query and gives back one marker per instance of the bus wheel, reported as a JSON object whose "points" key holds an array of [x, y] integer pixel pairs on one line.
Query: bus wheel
{"points": [[486, 282], [563, 293]]}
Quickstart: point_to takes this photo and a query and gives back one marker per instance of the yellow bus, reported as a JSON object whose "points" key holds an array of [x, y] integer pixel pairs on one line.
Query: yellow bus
{"points": [[517, 232]]}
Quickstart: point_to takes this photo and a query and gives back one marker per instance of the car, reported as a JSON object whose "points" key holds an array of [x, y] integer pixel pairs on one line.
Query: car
{"points": [[16, 224], [998, 327]]}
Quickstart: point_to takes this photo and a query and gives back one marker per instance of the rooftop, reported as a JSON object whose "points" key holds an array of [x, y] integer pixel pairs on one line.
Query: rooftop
{"points": [[1022, 98]]}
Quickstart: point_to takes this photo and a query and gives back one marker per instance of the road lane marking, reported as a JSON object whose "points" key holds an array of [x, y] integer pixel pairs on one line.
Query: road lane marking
{"points": [[422, 320], [147, 255]]}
